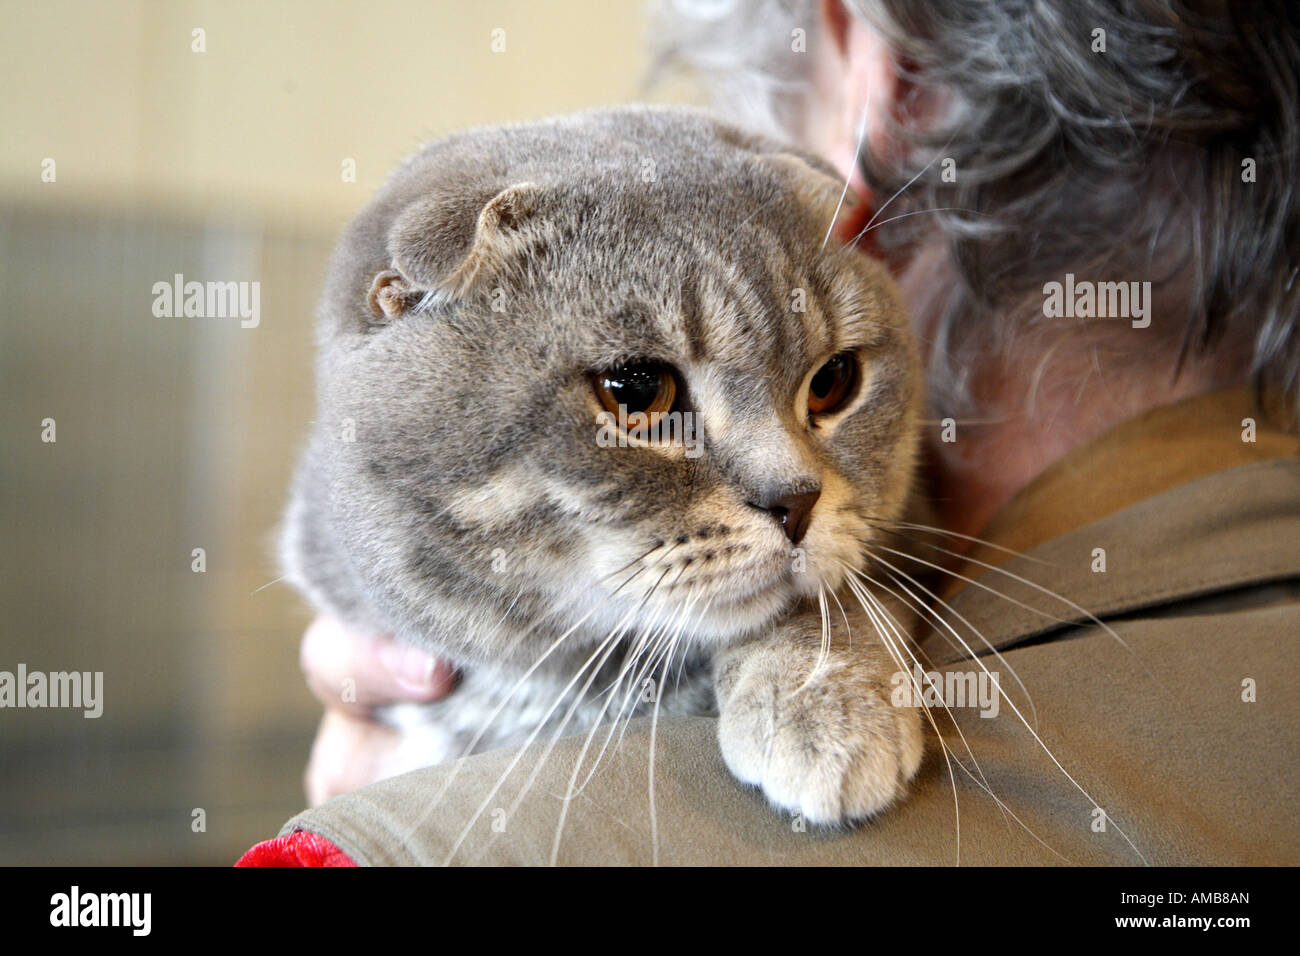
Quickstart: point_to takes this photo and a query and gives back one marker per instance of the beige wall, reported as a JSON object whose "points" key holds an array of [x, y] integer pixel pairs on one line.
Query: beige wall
{"points": [[285, 92]]}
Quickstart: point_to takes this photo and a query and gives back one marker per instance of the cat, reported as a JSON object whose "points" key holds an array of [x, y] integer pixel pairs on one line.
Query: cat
{"points": [[513, 294]]}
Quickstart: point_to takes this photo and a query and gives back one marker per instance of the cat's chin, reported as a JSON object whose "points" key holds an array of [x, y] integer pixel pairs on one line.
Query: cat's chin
{"points": [[724, 621], [747, 608]]}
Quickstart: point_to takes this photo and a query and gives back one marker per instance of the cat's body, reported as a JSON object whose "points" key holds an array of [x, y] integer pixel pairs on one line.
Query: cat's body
{"points": [[457, 492]]}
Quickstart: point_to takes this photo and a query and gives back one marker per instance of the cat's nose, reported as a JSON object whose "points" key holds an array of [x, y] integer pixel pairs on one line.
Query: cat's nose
{"points": [[792, 512]]}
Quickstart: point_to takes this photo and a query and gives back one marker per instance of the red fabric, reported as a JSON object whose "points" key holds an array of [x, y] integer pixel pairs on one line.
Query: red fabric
{"points": [[299, 848]]}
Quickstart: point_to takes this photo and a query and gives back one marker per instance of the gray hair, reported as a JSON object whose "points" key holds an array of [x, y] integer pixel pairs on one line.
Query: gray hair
{"points": [[1129, 162]]}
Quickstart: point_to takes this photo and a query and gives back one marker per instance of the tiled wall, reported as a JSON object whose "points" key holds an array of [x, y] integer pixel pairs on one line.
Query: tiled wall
{"points": [[171, 434]]}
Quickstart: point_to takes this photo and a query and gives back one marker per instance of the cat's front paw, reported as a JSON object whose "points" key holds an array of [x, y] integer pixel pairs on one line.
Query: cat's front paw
{"points": [[830, 746]]}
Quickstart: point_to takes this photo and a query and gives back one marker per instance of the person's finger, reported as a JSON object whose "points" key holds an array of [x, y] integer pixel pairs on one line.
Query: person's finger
{"points": [[349, 752], [357, 672]]}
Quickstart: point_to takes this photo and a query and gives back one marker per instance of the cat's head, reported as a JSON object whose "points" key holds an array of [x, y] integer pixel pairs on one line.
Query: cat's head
{"points": [[508, 290]]}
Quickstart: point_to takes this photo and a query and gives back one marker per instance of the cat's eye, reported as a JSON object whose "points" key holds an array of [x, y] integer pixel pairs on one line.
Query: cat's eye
{"points": [[645, 388], [832, 385]]}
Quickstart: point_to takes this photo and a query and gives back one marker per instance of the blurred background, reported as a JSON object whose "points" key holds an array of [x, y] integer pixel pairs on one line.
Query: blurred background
{"points": [[213, 139]]}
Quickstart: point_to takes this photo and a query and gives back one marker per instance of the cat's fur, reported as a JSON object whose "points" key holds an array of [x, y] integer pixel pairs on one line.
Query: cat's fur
{"points": [[454, 493]]}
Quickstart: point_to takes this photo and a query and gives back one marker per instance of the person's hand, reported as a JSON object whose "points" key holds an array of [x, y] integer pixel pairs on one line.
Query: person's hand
{"points": [[352, 674]]}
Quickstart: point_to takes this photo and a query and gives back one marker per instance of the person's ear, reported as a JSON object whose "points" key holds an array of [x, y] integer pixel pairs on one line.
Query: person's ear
{"points": [[862, 82], [858, 92]]}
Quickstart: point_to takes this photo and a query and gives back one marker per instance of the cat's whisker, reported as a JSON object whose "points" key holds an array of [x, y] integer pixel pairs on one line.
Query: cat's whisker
{"points": [[863, 598], [573, 791], [979, 584], [630, 656], [1047, 750], [951, 758], [824, 652], [504, 702], [654, 726], [635, 652], [911, 600], [560, 613], [631, 712], [492, 717], [602, 651], [848, 630], [641, 557], [906, 215], [268, 584], [862, 135], [579, 698], [646, 648], [902, 189], [1037, 587], [824, 612], [886, 525], [499, 627], [451, 777], [895, 573], [908, 598], [857, 153]]}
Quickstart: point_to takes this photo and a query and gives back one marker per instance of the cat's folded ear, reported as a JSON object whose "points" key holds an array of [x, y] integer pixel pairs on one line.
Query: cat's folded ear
{"points": [[444, 244], [391, 294]]}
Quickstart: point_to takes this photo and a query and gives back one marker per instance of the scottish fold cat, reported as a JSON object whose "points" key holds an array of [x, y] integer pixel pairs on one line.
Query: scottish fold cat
{"points": [[605, 418]]}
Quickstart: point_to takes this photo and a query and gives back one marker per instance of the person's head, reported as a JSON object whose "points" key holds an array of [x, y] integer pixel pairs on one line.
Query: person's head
{"points": [[1141, 141]]}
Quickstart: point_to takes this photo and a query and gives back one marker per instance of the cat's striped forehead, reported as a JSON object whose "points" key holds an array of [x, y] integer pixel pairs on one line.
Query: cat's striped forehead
{"points": [[759, 331], [752, 302], [696, 290]]}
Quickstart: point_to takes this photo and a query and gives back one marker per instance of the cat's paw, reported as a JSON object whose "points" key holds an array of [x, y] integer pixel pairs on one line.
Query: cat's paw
{"points": [[832, 747]]}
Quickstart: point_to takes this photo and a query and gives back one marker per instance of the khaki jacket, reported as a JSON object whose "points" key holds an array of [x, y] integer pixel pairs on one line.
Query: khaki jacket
{"points": [[1171, 701]]}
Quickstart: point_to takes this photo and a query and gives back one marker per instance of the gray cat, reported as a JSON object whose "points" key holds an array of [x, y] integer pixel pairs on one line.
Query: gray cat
{"points": [[604, 420]]}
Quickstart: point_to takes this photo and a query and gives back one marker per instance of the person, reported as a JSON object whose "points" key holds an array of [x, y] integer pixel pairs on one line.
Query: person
{"points": [[1143, 465]]}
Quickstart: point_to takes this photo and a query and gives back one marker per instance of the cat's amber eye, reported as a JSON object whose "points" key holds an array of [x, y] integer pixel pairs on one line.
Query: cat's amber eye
{"points": [[646, 389], [832, 385]]}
